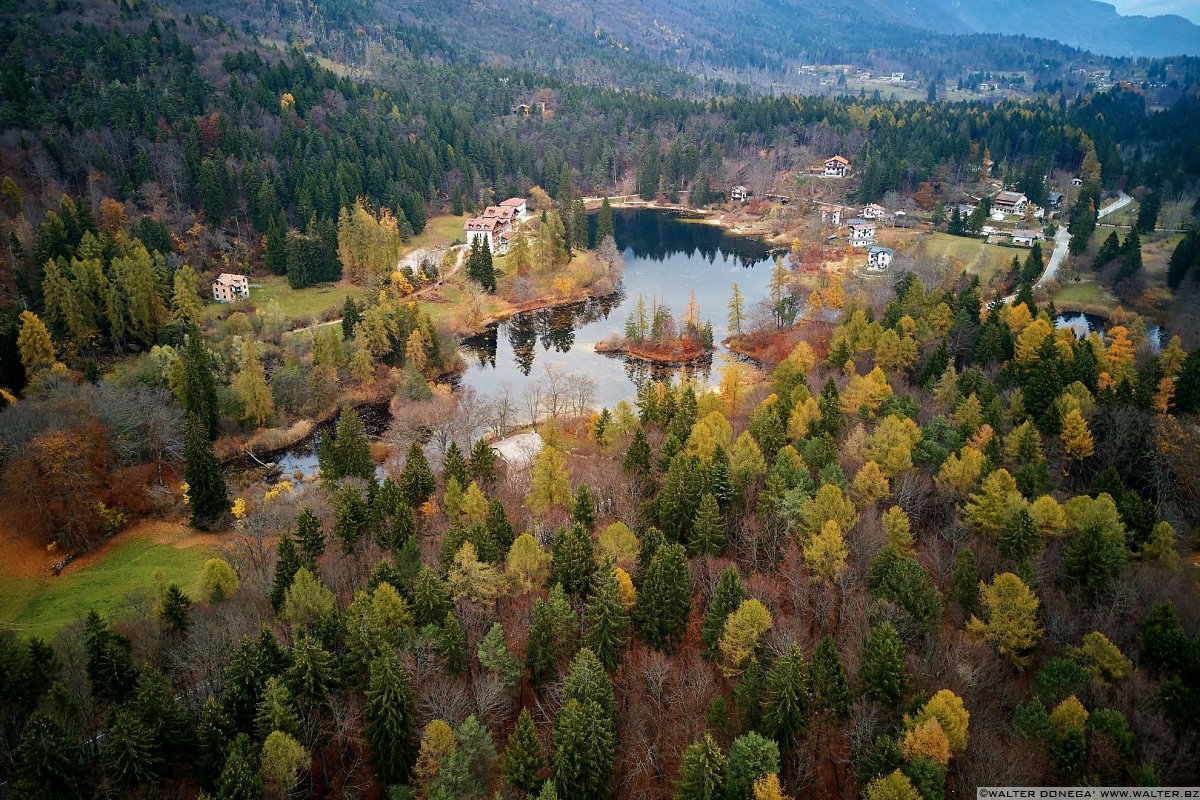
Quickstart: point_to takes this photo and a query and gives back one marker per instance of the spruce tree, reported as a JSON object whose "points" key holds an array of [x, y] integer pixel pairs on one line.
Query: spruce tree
{"points": [[240, 779], [607, 622], [883, 672], [728, 596], [637, 457], [207, 493], [309, 537], [482, 465], [455, 466], [551, 631], [389, 721], [720, 486], [1019, 538], [702, 773], [523, 757], [351, 316], [176, 609], [416, 478], [129, 754], [604, 222], [751, 756], [585, 746], [966, 579], [830, 689], [787, 700], [287, 561], [452, 645], [346, 453], [351, 516], [583, 510], [708, 529], [198, 389], [430, 598], [47, 761], [574, 560], [665, 598]]}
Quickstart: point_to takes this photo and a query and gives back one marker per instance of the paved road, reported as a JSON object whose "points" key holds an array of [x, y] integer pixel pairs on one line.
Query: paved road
{"points": [[1063, 238]]}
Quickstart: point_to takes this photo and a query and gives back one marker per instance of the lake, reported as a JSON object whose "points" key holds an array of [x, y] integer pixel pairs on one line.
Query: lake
{"points": [[1081, 324], [666, 257]]}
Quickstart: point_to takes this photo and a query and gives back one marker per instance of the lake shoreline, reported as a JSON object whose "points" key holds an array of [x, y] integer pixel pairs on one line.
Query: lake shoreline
{"points": [[653, 355]]}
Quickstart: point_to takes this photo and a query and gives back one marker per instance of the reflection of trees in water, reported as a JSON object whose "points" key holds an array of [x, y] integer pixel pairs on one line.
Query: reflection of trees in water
{"points": [[483, 346], [522, 335], [640, 372], [657, 236]]}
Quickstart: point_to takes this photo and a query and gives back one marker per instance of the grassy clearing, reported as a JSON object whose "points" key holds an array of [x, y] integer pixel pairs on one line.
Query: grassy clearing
{"points": [[39, 604], [309, 301], [978, 257], [441, 231], [1080, 295]]}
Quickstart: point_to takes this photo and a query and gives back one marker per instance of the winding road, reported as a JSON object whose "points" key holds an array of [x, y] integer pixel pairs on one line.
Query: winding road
{"points": [[1063, 237]]}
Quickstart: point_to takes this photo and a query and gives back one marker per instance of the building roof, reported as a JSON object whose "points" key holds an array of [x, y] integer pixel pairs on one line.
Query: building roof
{"points": [[483, 224], [230, 278], [1024, 233], [874, 207], [1011, 198], [838, 159], [861, 223], [513, 202], [878, 249]]}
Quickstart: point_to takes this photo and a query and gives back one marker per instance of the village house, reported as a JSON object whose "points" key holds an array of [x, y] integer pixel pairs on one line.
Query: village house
{"points": [[1055, 199], [739, 194], [495, 224], [1025, 238], [1010, 203], [862, 233], [230, 287], [880, 258], [831, 214], [1077, 181], [836, 167], [874, 211]]}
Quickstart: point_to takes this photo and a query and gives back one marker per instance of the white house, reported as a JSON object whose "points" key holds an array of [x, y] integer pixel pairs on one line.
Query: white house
{"points": [[1077, 181], [739, 194], [229, 287], [836, 167], [831, 214], [874, 211], [1010, 203], [1025, 238], [880, 258], [488, 229], [862, 233], [519, 206]]}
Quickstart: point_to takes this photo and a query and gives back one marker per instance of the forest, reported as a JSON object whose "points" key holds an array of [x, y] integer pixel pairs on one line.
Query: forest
{"points": [[928, 542]]}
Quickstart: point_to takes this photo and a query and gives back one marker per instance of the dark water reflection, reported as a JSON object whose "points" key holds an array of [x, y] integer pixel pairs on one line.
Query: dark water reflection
{"points": [[666, 256]]}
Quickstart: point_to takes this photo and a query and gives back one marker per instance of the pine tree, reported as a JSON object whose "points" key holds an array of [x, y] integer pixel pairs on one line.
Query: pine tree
{"points": [[176, 609], [452, 645], [550, 483], [416, 478], [708, 529], [787, 700], [198, 389], [552, 630], [1019, 538], [309, 537], [430, 597], [665, 598], [275, 712], [883, 671], [727, 597], [207, 493], [455, 466], [737, 310], [47, 761], [346, 453], [585, 745], [751, 756], [637, 457], [240, 777], [607, 623], [1010, 608], [583, 511], [702, 772], [574, 560], [523, 757], [129, 755], [966, 579], [604, 222], [389, 721], [479, 264], [830, 689], [482, 464]]}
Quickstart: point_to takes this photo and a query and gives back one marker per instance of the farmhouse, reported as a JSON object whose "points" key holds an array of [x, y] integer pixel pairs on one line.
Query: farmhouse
{"points": [[1055, 200], [836, 167], [1010, 203], [519, 205], [229, 287], [1025, 238], [874, 211], [862, 233], [880, 258], [739, 194]]}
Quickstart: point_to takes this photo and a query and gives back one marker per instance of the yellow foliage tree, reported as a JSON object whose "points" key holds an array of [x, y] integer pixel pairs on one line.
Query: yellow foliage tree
{"points": [[527, 565], [948, 709], [742, 634], [437, 744], [767, 787], [1029, 342], [550, 485], [802, 417], [826, 553], [897, 529], [1069, 715], [1103, 658], [1010, 608], [34, 344], [960, 472], [997, 499], [829, 503], [926, 740], [1076, 437], [870, 485], [1049, 515], [866, 391], [625, 585], [470, 577], [619, 544], [893, 786]]}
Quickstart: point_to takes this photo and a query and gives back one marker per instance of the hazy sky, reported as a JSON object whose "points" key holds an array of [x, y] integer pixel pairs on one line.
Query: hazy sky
{"points": [[1184, 8]]}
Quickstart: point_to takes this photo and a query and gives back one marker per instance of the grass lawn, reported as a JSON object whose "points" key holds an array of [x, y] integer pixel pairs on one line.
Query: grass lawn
{"points": [[441, 231], [34, 602], [1084, 293], [978, 257], [309, 301]]}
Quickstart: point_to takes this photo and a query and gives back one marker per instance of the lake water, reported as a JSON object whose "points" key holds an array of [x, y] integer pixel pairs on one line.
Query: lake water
{"points": [[1082, 324], [666, 256]]}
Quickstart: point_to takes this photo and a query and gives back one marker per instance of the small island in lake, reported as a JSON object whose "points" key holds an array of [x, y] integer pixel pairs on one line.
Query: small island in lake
{"points": [[653, 334]]}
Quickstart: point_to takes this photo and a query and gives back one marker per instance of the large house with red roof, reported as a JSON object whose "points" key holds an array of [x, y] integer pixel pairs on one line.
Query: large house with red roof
{"points": [[495, 224]]}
